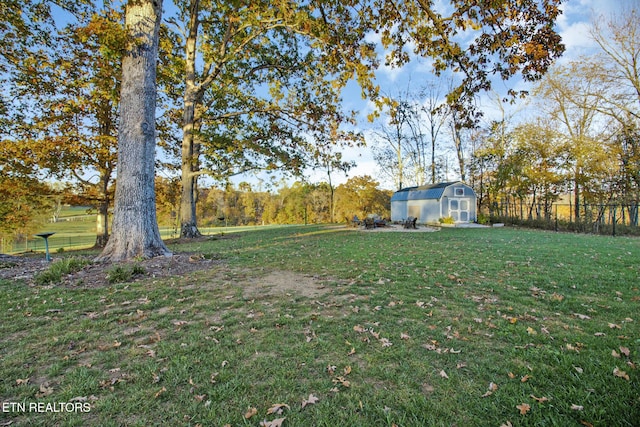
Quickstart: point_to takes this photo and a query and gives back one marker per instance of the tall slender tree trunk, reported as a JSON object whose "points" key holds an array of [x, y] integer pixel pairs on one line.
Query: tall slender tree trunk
{"points": [[190, 149], [135, 227]]}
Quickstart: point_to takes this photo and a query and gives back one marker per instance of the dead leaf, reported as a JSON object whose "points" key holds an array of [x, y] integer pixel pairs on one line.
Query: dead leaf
{"points": [[524, 408], [582, 316], [162, 390], [578, 369], [620, 374], [625, 351], [346, 370], [311, 400], [20, 381], [385, 342], [359, 329], [511, 375], [277, 408], [274, 423], [525, 378], [404, 336], [443, 374], [342, 381], [117, 344], [614, 326], [539, 399], [575, 407], [615, 354], [492, 387], [45, 390], [531, 331], [352, 351], [250, 413]]}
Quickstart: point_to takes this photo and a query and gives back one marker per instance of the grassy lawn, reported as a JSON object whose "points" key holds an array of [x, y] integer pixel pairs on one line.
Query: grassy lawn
{"points": [[465, 327]]}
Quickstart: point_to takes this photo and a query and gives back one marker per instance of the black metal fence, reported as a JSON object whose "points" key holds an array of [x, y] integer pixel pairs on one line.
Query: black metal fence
{"points": [[605, 218]]}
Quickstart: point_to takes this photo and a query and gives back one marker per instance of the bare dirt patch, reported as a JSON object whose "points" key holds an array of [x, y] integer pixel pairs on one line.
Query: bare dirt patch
{"points": [[278, 283]]}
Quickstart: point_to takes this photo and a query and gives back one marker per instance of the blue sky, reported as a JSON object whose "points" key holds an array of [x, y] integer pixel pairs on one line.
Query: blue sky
{"points": [[574, 26]]}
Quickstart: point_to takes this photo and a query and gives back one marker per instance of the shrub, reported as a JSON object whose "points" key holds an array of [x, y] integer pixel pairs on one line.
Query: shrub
{"points": [[58, 269], [447, 220], [120, 273]]}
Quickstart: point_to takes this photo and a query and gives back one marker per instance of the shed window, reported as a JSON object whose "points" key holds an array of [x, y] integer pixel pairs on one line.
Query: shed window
{"points": [[458, 191]]}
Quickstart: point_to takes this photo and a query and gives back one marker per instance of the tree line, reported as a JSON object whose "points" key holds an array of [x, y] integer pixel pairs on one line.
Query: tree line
{"points": [[223, 88], [295, 203]]}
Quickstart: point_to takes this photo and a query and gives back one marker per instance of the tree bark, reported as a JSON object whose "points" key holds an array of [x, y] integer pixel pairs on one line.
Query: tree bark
{"points": [[135, 228], [190, 150]]}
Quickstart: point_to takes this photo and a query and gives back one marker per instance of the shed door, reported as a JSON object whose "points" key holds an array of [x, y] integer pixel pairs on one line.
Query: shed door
{"points": [[414, 211], [459, 209]]}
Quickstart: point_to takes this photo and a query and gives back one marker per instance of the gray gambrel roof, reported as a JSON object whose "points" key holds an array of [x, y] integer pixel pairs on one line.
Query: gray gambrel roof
{"points": [[432, 191]]}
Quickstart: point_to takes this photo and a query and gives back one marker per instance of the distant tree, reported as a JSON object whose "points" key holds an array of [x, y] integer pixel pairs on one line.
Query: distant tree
{"points": [[536, 172], [74, 96], [572, 97], [361, 196]]}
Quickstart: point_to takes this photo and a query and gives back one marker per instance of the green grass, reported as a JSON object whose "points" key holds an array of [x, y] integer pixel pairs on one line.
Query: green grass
{"points": [[540, 315]]}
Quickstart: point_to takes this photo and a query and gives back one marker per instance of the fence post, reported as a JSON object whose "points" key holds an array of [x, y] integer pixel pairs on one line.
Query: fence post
{"points": [[614, 221]]}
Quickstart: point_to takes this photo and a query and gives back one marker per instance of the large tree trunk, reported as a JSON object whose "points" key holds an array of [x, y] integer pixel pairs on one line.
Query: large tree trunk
{"points": [[135, 228], [190, 151]]}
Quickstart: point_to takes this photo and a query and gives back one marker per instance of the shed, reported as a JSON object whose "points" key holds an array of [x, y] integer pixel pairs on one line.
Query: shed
{"points": [[431, 202]]}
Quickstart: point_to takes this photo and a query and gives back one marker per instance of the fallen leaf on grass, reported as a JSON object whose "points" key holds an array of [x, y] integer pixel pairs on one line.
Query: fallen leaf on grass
{"points": [[492, 387], [443, 374], [575, 407], [274, 423], [20, 381], [524, 408], [277, 408], [614, 326], [45, 390], [250, 413], [581, 316], [385, 342], [525, 378], [620, 374], [539, 399], [342, 381], [311, 400], [162, 390], [404, 336], [625, 351]]}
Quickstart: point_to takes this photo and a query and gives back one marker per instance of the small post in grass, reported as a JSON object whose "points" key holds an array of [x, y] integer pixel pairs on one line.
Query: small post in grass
{"points": [[46, 236]]}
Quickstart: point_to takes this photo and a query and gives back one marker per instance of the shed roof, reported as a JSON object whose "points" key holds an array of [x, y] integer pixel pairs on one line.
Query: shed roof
{"points": [[430, 191]]}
